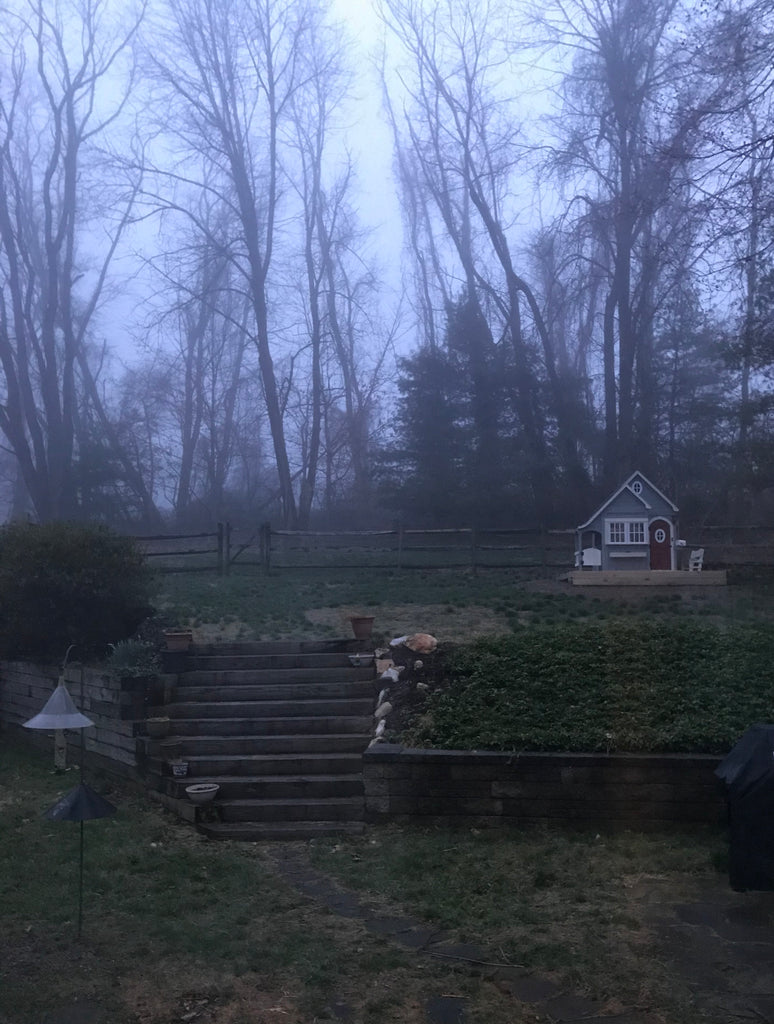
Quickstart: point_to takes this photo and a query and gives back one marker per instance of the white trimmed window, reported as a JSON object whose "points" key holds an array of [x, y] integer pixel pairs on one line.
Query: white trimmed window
{"points": [[626, 531], [637, 533]]}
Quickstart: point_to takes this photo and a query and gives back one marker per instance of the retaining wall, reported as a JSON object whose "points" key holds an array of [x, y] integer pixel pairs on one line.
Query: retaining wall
{"points": [[648, 791], [641, 791], [116, 706]]}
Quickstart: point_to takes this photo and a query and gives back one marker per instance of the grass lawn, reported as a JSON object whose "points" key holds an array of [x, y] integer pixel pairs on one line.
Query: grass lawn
{"points": [[576, 906], [451, 604], [178, 928], [175, 925]]}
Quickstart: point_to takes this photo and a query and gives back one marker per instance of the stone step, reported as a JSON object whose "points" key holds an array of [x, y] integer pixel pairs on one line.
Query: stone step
{"points": [[271, 787], [363, 688], [289, 831], [196, 724], [341, 743], [334, 645], [323, 809], [280, 726], [229, 707], [277, 765], [275, 676], [223, 662]]}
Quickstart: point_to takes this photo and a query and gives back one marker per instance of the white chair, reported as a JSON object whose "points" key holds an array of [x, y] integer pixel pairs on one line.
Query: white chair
{"points": [[591, 558], [696, 560]]}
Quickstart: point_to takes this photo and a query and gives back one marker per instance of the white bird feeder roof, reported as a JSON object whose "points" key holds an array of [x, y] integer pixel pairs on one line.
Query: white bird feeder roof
{"points": [[59, 712]]}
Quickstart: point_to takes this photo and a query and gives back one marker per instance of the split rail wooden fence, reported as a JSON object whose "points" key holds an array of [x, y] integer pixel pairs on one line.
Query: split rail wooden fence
{"points": [[537, 552], [189, 552], [403, 548]]}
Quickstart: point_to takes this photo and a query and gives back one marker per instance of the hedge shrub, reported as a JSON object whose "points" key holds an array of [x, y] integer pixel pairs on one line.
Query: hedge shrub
{"points": [[627, 685], [68, 583]]}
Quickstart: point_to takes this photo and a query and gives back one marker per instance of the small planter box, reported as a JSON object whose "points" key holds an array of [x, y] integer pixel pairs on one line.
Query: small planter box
{"points": [[178, 639]]}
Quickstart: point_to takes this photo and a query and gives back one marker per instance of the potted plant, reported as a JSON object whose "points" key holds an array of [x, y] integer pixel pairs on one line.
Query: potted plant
{"points": [[362, 626], [136, 663], [178, 767], [133, 659], [178, 639], [157, 726]]}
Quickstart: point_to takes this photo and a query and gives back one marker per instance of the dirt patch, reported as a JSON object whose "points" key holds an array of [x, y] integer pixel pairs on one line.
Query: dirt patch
{"points": [[198, 999], [445, 623], [221, 632]]}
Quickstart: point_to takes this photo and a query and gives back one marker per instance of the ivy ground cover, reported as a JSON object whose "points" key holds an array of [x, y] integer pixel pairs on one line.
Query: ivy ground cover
{"points": [[631, 685]]}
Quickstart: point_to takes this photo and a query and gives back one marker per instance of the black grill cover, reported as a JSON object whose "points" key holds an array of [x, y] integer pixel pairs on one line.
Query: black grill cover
{"points": [[748, 772]]}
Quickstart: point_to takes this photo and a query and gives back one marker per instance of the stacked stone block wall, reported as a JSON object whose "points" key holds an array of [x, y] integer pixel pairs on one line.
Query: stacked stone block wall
{"points": [[495, 789], [116, 706]]}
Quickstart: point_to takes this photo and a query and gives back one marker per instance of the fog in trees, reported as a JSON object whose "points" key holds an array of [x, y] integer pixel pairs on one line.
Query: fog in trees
{"points": [[199, 318]]}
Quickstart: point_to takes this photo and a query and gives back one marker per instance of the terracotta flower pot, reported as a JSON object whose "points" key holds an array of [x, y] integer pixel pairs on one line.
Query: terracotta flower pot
{"points": [[178, 639], [362, 626], [156, 728]]}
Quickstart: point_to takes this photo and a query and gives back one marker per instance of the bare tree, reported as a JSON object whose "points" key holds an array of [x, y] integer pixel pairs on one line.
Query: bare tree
{"points": [[60, 102], [464, 154], [629, 134], [199, 330], [239, 74], [360, 350], [741, 222]]}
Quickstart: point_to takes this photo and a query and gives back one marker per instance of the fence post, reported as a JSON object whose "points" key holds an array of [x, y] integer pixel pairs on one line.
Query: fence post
{"points": [[227, 551], [400, 545], [220, 549]]}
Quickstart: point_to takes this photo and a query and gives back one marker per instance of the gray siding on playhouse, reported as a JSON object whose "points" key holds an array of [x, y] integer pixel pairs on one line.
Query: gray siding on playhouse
{"points": [[625, 504]]}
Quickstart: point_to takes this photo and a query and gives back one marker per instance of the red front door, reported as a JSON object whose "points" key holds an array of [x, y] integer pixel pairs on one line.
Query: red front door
{"points": [[660, 544]]}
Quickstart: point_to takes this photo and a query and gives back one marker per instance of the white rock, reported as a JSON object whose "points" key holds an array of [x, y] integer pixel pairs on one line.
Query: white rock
{"points": [[419, 665], [380, 728], [384, 694], [423, 687], [399, 640], [392, 675], [383, 710]]}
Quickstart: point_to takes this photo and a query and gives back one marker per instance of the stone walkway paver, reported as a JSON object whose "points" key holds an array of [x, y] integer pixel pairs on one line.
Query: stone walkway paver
{"points": [[542, 995]]}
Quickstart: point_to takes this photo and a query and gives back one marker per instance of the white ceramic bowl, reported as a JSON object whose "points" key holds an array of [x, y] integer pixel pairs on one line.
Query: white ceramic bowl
{"points": [[361, 660], [202, 792]]}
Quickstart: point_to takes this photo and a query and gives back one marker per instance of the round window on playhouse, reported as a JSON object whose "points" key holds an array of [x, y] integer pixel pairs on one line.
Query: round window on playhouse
{"points": [[660, 535], [637, 487]]}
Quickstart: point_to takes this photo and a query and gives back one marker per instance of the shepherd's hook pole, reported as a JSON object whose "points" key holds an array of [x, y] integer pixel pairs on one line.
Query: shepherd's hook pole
{"points": [[80, 886]]}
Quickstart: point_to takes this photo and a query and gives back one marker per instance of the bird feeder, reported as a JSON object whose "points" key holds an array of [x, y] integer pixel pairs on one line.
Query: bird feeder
{"points": [[59, 713]]}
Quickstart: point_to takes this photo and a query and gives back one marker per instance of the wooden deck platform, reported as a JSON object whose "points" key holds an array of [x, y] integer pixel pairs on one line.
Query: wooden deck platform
{"points": [[622, 578]]}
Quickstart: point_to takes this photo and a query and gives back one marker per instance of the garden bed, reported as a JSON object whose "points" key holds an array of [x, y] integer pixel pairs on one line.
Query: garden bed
{"points": [[634, 686]]}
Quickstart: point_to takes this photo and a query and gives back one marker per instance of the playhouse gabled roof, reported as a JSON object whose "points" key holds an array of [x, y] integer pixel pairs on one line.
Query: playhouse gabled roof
{"points": [[627, 486]]}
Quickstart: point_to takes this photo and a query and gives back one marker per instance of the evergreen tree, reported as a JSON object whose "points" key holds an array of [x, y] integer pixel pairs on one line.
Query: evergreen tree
{"points": [[460, 455]]}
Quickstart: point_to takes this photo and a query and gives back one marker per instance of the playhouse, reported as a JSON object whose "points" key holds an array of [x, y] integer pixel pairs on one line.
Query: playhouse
{"points": [[634, 530]]}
